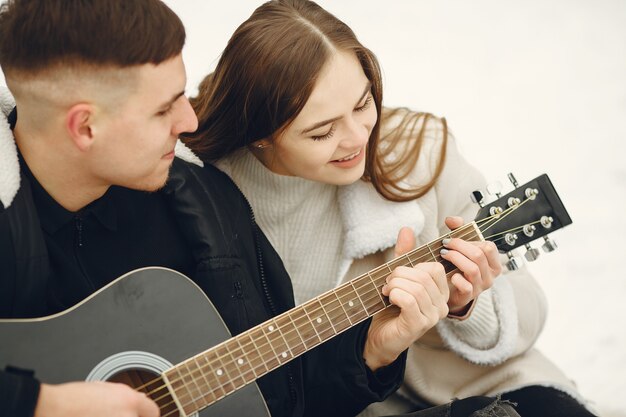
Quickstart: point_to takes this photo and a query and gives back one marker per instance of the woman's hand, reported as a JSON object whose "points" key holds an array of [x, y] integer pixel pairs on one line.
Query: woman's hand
{"points": [[419, 296], [478, 264]]}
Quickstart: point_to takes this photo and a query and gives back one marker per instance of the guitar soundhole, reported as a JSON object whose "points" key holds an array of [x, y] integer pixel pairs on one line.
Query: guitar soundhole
{"points": [[150, 384]]}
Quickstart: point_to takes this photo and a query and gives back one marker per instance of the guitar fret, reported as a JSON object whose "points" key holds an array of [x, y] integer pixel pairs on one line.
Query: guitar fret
{"points": [[300, 346], [380, 294], [204, 391], [322, 327], [279, 344], [188, 396], [215, 382], [372, 304], [326, 314], [199, 391], [361, 312], [230, 365], [343, 308], [431, 252], [222, 372], [319, 338], [270, 358], [247, 362], [257, 360], [336, 312]]}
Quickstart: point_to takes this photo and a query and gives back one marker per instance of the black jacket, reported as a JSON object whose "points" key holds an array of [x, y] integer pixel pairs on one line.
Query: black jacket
{"points": [[234, 261]]}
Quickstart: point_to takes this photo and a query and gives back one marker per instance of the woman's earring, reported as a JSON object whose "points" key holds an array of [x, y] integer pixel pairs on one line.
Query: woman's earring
{"points": [[261, 145]]}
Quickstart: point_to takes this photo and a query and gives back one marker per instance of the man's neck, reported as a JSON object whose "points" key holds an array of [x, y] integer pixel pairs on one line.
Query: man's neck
{"points": [[59, 174]]}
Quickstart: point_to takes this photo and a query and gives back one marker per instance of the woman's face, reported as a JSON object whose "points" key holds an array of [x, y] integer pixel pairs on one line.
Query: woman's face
{"points": [[327, 141]]}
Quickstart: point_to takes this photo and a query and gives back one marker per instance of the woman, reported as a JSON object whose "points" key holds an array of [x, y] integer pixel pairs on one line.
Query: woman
{"points": [[293, 114]]}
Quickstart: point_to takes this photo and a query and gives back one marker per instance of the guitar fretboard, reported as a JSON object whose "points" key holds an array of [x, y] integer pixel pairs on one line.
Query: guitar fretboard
{"points": [[209, 376]]}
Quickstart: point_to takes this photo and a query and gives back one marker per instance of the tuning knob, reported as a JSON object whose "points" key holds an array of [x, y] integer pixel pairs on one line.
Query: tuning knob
{"points": [[478, 198], [549, 246], [531, 253], [512, 179], [513, 264]]}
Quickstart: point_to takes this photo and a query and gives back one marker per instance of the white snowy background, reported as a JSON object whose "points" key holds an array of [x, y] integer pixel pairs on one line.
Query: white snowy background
{"points": [[527, 87]]}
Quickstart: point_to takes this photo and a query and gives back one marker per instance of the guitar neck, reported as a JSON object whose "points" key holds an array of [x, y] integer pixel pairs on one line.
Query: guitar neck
{"points": [[209, 376]]}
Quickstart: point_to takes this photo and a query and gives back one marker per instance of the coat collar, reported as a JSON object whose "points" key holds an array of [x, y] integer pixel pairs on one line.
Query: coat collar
{"points": [[9, 163], [372, 223]]}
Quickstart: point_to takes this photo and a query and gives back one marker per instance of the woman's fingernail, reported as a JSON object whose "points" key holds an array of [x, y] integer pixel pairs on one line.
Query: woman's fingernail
{"points": [[445, 242], [443, 251]]}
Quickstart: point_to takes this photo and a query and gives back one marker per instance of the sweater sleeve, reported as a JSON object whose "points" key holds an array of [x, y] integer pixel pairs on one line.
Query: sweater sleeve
{"points": [[339, 383], [18, 394], [497, 329]]}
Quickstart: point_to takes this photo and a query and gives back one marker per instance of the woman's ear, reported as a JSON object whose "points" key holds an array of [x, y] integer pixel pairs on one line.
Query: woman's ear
{"points": [[261, 144], [79, 125]]}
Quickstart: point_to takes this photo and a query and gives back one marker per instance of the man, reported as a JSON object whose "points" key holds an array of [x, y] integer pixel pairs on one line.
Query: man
{"points": [[99, 93]]}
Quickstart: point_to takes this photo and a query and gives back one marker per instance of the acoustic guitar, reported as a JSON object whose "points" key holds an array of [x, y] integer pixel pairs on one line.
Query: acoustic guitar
{"points": [[155, 330]]}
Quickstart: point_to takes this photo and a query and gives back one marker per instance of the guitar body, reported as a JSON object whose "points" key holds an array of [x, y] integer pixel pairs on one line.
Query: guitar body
{"points": [[145, 320]]}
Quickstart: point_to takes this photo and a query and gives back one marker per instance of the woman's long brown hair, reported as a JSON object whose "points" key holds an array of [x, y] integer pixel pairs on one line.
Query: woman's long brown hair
{"points": [[266, 75]]}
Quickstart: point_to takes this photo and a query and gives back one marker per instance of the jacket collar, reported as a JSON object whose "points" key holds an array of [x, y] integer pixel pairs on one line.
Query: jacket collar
{"points": [[9, 163]]}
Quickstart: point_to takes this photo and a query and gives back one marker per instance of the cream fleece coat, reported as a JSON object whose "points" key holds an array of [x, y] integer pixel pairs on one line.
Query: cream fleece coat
{"points": [[456, 359]]}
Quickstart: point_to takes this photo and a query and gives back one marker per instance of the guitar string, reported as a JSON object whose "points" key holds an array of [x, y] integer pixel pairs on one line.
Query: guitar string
{"points": [[317, 310], [233, 383], [305, 341], [242, 375]]}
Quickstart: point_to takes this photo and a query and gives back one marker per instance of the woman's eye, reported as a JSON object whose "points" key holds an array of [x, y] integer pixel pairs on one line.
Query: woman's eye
{"points": [[164, 112], [327, 135], [365, 105]]}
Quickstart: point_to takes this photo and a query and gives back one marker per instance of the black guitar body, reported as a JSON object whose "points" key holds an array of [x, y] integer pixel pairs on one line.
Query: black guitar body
{"points": [[143, 320]]}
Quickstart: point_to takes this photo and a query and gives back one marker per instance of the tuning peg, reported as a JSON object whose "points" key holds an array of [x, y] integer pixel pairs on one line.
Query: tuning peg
{"points": [[495, 188], [512, 179], [531, 253], [513, 264], [550, 245], [478, 198]]}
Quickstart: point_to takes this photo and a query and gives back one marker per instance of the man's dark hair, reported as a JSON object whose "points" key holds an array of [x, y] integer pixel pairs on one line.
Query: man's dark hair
{"points": [[38, 34]]}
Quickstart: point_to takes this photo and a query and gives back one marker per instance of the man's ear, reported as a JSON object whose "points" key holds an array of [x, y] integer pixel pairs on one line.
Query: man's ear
{"points": [[79, 125]]}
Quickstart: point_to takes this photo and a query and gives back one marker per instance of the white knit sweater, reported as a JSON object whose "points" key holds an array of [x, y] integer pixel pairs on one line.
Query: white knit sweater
{"points": [[300, 218]]}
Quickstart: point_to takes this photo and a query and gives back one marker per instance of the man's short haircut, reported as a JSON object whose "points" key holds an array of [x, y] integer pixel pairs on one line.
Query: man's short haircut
{"points": [[36, 35]]}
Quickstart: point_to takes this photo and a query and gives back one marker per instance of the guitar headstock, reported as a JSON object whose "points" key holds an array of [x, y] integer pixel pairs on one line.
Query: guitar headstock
{"points": [[529, 212]]}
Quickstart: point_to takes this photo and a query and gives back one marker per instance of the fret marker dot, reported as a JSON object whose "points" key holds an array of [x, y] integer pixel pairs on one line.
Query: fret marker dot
{"points": [[351, 304], [271, 328], [284, 354], [219, 372], [319, 320], [240, 361]]}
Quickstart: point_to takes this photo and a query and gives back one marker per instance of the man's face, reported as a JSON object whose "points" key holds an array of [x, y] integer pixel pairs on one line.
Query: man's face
{"points": [[135, 142]]}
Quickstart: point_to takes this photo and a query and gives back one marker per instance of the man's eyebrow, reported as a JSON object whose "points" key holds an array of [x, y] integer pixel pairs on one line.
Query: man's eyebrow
{"points": [[325, 122], [172, 100]]}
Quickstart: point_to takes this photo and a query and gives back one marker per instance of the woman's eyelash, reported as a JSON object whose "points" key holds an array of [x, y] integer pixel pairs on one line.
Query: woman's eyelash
{"points": [[365, 105], [328, 135], [165, 112]]}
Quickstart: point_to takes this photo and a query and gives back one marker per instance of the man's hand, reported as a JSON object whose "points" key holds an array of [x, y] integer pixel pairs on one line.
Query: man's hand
{"points": [[478, 263], [419, 296], [93, 399]]}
